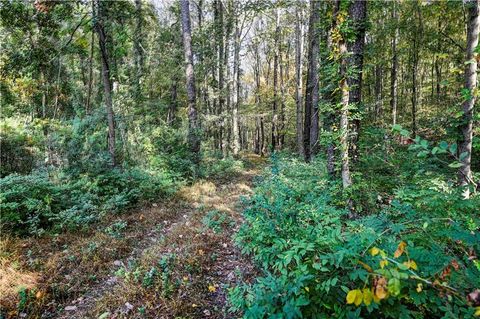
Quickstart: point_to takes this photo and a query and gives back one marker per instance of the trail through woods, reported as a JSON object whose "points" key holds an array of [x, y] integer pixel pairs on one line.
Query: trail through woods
{"points": [[166, 260]]}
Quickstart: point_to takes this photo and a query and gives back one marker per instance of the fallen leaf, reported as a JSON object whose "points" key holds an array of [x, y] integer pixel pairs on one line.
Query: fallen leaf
{"points": [[400, 249]]}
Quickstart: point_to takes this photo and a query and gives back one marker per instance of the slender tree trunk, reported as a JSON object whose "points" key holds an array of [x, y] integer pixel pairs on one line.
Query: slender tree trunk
{"points": [[90, 70], [138, 53], [358, 16], [393, 71], [275, 83], [236, 88], [107, 81], [311, 94], [345, 97], [193, 127], [172, 109], [298, 77], [473, 26]]}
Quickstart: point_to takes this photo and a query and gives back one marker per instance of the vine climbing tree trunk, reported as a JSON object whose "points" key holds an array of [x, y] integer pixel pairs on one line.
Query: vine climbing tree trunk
{"points": [[358, 16], [193, 125], [106, 76], [473, 25]]}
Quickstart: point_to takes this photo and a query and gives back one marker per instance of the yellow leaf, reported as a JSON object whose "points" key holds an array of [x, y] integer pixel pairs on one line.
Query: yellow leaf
{"points": [[307, 289], [419, 287], [185, 278], [194, 305], [383, 263], [413, 265], [375, 298], [212, 288], [351, 295], [410, 264], [477, 312], [374, 251], [380, 289], [358, 298], [367, 296], [400, 249], [367, 267]]}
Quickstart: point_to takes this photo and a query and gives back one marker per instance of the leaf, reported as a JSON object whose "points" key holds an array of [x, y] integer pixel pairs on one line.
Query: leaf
{"points": [[367, 267], [394, 286], [435, 150], [463, 156], [477, 311], [410, 264], [367, 296], [443, 145], [453, 149], [419, 287], [380, 288], [400, 249], [374, 251], [212, 288], [358, 298], [351, 295], [383, 263], [455, 165]]}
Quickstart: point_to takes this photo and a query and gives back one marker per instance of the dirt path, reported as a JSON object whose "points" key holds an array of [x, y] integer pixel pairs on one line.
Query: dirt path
{"points": [[169, 260]]}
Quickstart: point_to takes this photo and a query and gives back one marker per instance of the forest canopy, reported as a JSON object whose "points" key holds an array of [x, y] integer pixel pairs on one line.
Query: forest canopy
{"points": [[253, 158]]}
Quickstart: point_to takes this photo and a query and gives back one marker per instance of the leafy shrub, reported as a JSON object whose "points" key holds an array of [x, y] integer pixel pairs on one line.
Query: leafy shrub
{"points": [[18, 152], [34, 203], [319, 264], [220, 167]]}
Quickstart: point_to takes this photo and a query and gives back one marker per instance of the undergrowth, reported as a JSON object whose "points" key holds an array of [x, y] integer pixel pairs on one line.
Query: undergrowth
{"points": [[414, 257]]}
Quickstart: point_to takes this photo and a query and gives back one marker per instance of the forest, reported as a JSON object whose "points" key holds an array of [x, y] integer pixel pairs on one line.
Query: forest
{"points": [[239, 159]]}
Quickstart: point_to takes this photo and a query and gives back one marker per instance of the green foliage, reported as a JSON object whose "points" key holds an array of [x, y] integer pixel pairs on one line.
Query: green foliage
{"points": [[220, 167], [18, 151], [312, 255], [34, 203]]}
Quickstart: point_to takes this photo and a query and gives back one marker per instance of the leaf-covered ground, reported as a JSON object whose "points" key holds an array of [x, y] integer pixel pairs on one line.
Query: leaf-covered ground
{"points": [[167, 259]]}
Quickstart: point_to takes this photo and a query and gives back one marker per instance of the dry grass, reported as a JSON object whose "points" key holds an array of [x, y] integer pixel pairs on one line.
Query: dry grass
{"points": [[98, 272]]}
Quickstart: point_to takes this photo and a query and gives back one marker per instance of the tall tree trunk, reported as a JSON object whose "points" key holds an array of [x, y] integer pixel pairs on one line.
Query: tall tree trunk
{"points": [[345, 97], [138, 52], [358, 16], [311, 94], [107, 81], [236, 90], [473, 26], [394, 68], [275, 83], [90, 70], [298, 77], [193, 127]]}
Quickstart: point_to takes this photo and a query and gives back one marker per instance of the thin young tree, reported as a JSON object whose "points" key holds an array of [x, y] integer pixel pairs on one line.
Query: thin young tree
{"points": [[473, 26], [106, 76], [193, 125], [299, 74]]}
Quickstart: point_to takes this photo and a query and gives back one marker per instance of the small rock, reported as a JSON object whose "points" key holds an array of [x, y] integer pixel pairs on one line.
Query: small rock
{"points": [[225, 245], [206, 312], [129, 306], [155, 205], [118, 263], [70, 308]]}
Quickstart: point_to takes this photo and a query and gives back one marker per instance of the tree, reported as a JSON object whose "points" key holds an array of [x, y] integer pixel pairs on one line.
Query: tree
{"points": [[473, 26], [358, 16], [299, 76], [311, 93], [193, 125], [106, 76]]}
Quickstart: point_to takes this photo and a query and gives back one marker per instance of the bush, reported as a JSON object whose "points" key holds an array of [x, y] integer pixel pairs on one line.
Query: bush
{"points": [[34, 203], [407, 261], [17, 152]]}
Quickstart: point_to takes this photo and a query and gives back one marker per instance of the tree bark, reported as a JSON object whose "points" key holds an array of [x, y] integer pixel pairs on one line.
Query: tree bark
{"points": [[275, 83], [358, 16], [473, 26], [311, 94], [394, 68], [298, 77], [236, 92], [138, 52], [107, 81], [193, 127]]}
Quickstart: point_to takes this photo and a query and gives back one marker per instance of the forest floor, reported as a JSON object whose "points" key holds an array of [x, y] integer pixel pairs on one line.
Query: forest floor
{"points": [[171, 259]]}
